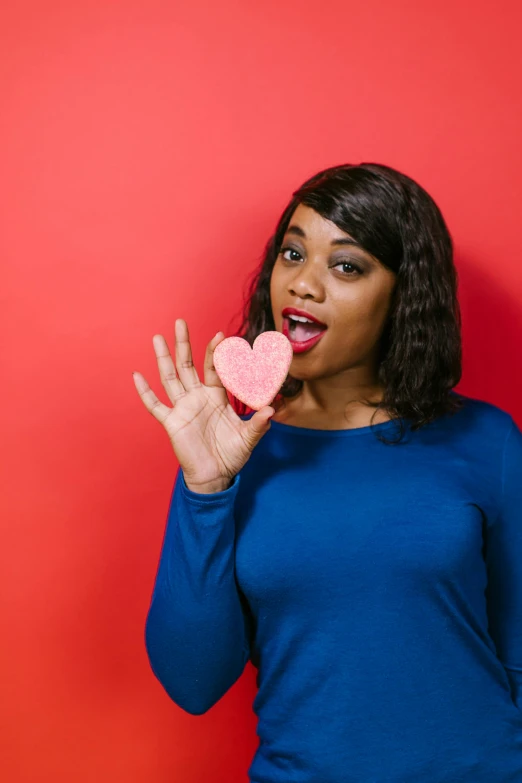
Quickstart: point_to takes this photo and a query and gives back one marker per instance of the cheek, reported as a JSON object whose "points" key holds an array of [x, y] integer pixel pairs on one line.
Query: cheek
{"points": [[274, 292], [368, 307], [276, 284], [276, 274], [358, 328]]}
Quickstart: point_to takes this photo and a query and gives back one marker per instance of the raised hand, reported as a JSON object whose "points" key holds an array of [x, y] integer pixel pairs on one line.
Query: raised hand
{"points": [[211, 442]]}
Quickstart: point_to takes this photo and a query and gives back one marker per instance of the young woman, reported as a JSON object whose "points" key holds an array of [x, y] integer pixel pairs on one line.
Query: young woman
{"points": [[364, 548]]}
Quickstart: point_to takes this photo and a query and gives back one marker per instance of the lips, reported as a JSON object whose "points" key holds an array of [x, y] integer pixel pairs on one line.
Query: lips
{"points": [[312, 329], [301, 346], [297, 311]]}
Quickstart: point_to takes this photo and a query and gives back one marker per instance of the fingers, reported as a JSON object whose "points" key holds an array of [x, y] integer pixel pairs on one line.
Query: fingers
{"points": [[151, 402], [184, 365], [210, 374], [169, 379], [176, 380]]}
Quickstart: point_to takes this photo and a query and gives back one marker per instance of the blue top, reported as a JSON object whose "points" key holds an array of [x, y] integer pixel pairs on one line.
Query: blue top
{"points": [[376, 588]]}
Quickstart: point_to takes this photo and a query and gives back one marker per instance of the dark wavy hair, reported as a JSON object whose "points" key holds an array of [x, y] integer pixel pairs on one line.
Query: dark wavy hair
{"points": [[397, 221]]}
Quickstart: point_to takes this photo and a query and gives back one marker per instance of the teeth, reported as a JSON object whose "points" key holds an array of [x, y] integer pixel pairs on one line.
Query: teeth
{"points": [[301, 318]]}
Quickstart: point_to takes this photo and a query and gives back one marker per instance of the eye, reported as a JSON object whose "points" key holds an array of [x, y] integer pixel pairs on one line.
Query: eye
{"points": [[291, 250], [357, 269]]}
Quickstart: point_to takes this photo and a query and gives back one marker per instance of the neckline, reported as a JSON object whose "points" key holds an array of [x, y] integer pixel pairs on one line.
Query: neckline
{"points": [[344, 433], [383, 425]]}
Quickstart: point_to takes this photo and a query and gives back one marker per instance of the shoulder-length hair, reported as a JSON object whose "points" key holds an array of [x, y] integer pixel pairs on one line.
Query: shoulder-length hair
{"points": [[398, 222]]}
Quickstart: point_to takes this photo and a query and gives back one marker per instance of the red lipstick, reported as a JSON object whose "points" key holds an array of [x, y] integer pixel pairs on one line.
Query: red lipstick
{"points": [[300, 346]]}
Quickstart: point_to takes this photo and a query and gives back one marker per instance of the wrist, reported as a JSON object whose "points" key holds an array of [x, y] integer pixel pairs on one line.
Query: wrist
{"points": [[209, 489]]}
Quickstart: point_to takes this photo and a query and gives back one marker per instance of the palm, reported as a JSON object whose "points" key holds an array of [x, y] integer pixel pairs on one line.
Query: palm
{"points": [[207, 434]]}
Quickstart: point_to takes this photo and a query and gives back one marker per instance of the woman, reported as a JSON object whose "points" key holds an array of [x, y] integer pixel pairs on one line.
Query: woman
{"points": [[364, 548]]}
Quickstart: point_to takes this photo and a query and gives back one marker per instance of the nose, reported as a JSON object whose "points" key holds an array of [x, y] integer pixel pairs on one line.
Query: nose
{"points": [[306, 282]]}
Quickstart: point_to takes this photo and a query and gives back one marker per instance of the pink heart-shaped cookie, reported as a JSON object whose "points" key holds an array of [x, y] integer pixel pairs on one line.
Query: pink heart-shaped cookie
{"points": [[254, 375]]}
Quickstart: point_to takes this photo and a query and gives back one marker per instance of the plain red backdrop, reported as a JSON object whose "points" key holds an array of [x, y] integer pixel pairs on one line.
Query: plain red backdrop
{"points": [[146, 152]]}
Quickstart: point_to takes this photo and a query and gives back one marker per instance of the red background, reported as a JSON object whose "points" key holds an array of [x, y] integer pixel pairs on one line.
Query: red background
{"points": [[146, 152]]}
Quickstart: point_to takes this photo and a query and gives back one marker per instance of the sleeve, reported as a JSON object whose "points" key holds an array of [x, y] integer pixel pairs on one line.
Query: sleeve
{"points": [[504, 564], [198, 627]]}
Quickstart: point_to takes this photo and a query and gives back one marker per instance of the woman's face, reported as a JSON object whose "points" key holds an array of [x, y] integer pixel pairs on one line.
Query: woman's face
{"points": [[339, 283]]}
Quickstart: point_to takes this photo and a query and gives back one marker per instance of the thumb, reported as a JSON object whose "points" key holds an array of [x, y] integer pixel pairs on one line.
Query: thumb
{"points": [[259, 424]]}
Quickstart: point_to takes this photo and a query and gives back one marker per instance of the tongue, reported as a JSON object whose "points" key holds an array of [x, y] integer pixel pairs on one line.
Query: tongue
{"points": [[306, 331]]}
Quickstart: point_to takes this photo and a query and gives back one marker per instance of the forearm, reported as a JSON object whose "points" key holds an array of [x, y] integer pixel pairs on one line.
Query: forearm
{"points": [[196, 631]]}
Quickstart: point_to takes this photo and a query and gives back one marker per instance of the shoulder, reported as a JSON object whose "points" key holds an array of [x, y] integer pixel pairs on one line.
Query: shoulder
{"points": [[485, 418]]}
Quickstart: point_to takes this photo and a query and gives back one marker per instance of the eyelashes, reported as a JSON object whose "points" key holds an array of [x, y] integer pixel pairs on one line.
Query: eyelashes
{"points": [[358, 270]]}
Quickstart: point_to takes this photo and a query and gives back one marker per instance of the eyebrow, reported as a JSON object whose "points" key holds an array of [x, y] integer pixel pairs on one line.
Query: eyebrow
{"points": [[298, 231]]}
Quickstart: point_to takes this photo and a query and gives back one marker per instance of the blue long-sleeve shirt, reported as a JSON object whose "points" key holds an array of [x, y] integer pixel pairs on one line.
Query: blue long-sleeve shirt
{"points": [[376, 588]]}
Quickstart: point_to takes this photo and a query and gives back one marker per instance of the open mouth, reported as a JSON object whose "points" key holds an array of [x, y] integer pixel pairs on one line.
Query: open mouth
{"points": [[300, 332]]}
